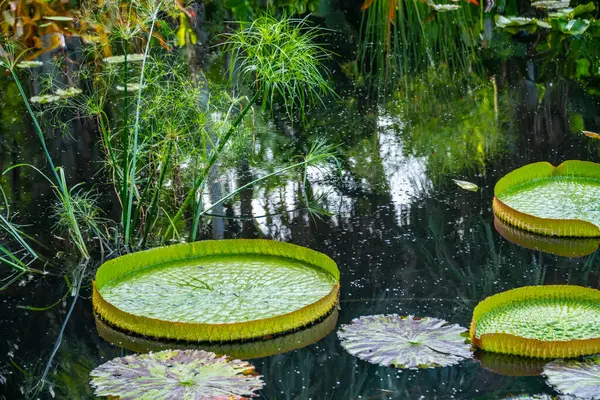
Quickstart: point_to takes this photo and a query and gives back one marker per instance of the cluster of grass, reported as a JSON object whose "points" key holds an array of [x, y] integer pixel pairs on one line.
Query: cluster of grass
{"points": [[165, 131], [404, 37]]}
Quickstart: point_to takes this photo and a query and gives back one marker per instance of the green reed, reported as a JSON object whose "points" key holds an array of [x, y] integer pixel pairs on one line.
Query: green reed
{"points": [[9, 58]]}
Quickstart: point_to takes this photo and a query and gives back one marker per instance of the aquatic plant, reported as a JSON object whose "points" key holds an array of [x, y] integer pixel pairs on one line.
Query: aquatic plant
{"points": [[539, 321], [281, 60], [579, 378], [548, 200], [19, 260], [176, 374], [227, 296], [405, 342], [400, 37], [10, 57]]}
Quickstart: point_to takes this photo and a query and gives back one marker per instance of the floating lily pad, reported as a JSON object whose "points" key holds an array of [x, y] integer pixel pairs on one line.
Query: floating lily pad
{"points": [[551, 4], [68, 92], [29, 64], [510, 365], [515, 25], [217, 290], [444, 7], [176, 374], [405, 342], [555, 201], [44, 99], [121, 59], [535, 397], [560, 246], [244, 350], [539, 321], [131, 87], [60, 18], [466, 185], [574, 377]]}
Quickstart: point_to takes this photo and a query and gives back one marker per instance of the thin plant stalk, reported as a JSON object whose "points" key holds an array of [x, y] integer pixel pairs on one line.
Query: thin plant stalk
{"points": [[132, 174]]}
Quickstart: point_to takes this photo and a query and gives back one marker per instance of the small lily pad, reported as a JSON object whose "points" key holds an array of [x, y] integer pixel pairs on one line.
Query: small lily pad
{"points": [[121, 59], [551, 4], [131, 87], [466, 185], [444, 7], [405, 342], [61, 18], [574, 377], [29, 64], [515, 25], [44, 99], [176, 374], [68, 92]]}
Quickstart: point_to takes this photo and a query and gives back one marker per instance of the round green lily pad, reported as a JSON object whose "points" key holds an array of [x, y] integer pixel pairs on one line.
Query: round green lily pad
{"points": [[539, 321], [548, 200], [217, 290]]}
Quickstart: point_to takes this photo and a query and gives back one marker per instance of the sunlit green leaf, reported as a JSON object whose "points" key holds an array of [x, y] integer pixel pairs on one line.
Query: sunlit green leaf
{"points": [[466, 185]]}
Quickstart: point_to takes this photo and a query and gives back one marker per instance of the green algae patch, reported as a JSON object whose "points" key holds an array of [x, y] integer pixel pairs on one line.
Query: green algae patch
{"points": [[548, 200], [223, 290], [539, 321]]}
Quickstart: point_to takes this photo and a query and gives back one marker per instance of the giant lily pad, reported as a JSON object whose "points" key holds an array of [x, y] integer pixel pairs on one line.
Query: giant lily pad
{"points": [[405, 342], [556, 201], [560, 246], [574, 377], [244, 350], [222, 290], [539, 321], [177, 374]]}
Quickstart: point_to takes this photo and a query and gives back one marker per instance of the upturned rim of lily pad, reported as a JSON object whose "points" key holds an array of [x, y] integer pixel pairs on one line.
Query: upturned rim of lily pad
{"points": [[217, 332], [507, 343], [559, 246], [545, 226], [243, 351]]}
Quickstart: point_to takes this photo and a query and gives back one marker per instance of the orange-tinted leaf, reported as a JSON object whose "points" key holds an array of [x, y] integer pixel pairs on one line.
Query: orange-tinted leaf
{"points": [[392, 12], [592, 135], [473, 2], [367, 4]]}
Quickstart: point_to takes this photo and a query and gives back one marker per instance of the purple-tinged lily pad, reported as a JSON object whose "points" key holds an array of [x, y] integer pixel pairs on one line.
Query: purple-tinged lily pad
{"points": [[540, 397], [405, 342], [176, 374], [580, 378]]}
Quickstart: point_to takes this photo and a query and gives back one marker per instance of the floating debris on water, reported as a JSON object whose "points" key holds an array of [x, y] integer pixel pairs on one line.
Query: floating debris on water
{"points": [[121, 59]]}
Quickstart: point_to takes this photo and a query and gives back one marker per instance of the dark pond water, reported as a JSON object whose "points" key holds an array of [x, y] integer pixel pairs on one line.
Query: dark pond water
{"points": [[406, 239]]}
